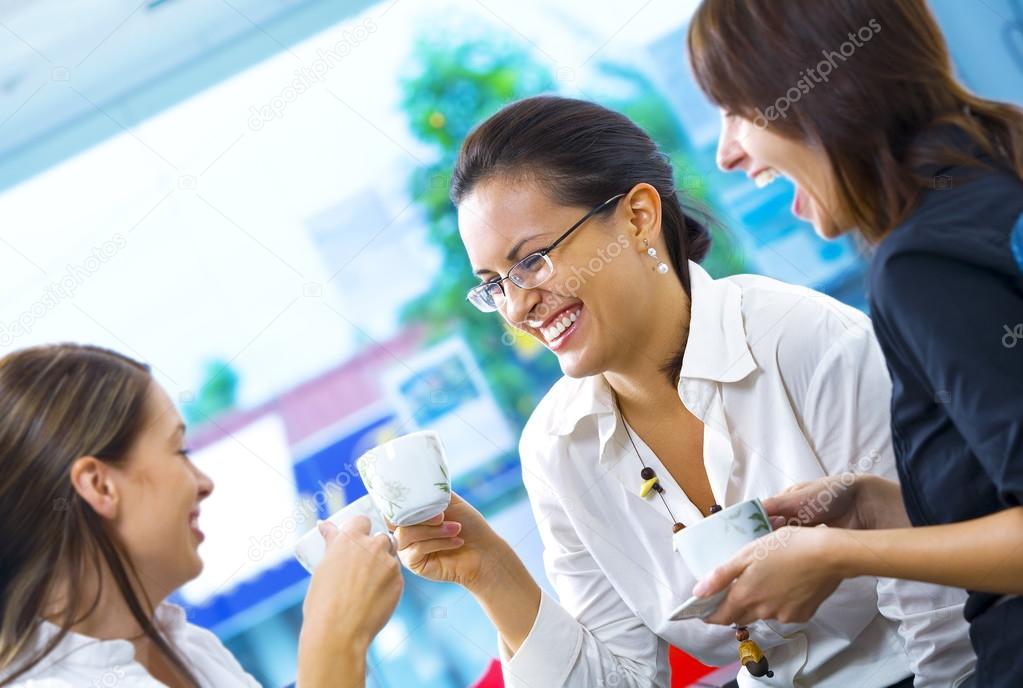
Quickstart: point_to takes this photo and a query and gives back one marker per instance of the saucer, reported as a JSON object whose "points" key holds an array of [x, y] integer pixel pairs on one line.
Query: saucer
{"points": [[699, 607]]}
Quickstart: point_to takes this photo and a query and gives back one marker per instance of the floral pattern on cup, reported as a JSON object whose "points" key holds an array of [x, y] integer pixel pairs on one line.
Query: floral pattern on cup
{"points": [[403, 492]]}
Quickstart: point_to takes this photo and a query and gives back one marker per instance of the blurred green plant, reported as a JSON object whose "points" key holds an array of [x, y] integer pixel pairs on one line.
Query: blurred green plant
{"points": [[452, 87], [217, 394]]}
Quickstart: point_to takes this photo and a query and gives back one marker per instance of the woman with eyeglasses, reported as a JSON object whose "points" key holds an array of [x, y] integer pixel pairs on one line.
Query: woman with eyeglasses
{"points": [[892, 147], [713, 390]]}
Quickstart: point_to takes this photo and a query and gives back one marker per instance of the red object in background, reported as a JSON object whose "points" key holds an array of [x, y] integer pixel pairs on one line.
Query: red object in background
{"points": [[492, 678], [684, 671]]}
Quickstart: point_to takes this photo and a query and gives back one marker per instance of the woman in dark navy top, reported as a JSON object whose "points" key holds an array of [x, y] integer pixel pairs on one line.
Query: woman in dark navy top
{"points": [[855, 102]]}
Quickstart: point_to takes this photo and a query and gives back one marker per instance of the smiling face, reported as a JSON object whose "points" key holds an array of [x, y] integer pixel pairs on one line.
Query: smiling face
{"points": [[763, 154], [159, 491], [593, 312]]}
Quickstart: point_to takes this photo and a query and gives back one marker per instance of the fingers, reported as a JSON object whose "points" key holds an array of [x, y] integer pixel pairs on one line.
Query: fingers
{"points": [[435, 521], [356, 525], [785, 505], [415, 553], [730, 613], [410, 535], [720, 578]]}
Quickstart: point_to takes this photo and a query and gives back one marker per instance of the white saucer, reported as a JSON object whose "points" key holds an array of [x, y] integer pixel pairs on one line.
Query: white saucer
{"points": [[699, 607]]}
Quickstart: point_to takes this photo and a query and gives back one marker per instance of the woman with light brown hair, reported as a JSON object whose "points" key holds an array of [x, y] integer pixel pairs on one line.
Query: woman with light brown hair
{"points": [[857, 104], [99, 512]]}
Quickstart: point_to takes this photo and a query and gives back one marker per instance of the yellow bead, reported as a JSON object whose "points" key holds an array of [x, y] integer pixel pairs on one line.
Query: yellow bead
{"points": [[647, 486]]}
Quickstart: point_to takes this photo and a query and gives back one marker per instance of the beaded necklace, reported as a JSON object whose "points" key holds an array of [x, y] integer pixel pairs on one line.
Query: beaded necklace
{"points": [[750, 654]]}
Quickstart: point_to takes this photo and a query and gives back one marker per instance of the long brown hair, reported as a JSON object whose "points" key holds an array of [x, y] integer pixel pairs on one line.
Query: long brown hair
{"points": [[869, 82], [59, 403]]}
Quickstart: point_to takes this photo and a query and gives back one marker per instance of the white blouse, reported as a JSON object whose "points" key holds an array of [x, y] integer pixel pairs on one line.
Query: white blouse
{"points": [[83, 662], [791, 386]]}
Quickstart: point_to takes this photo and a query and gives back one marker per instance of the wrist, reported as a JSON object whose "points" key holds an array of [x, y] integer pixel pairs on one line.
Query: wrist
{"points": [[501, 569], [879, 503], [334, 646], [339, 670], [841, 549]]}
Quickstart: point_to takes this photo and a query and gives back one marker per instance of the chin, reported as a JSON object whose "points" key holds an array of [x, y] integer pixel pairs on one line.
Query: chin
{"points": [[578, 367]]}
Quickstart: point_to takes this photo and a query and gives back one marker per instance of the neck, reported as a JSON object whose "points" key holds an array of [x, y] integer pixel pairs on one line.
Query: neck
{"points": [[110, 618], [638, 378]]}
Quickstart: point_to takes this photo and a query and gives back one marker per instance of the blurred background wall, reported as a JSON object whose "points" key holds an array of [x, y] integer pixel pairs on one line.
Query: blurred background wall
{"points": [[251, 195]]}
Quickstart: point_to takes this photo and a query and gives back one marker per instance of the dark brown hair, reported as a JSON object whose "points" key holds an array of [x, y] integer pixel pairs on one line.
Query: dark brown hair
{"points": [[59, 403], [869, 82], [581, 154]]}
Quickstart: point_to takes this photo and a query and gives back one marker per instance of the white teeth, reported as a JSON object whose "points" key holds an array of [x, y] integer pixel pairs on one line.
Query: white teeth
{"points": [[764, 178], [559, 326]]}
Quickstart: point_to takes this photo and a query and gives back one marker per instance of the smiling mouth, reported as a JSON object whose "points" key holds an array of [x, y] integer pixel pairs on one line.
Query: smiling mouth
{"points": [[765, 178], [193, 522], [559, 324]]}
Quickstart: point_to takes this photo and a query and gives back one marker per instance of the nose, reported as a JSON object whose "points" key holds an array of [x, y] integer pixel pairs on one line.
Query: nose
{"points": [[204, 483], [730, 153], [518, 302]]}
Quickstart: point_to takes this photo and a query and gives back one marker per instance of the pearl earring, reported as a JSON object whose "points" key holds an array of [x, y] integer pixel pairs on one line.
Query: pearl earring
{"points": [[662, 267]]}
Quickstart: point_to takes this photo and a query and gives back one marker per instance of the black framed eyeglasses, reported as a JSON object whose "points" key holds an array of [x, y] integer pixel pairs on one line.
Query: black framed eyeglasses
{"points": [[530, 272]]}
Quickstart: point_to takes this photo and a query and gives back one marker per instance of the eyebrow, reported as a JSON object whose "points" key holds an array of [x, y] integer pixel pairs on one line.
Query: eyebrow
{"points": [[513, 254]]}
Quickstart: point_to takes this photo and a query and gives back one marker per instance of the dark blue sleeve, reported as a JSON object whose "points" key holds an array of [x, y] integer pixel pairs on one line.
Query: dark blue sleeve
{"points": [[1017, 243], [962, 326]]}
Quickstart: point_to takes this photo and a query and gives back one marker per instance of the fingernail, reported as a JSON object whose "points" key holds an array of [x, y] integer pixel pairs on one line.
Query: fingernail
{"points": [[452, 528], [701, 589]]}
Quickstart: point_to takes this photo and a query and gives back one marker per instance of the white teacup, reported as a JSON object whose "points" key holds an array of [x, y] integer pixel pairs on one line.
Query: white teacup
{"points": [[310, 548], [407, 478], [714, 541]]}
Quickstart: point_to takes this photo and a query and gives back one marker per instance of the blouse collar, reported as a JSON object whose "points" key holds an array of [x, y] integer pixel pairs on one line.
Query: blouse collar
{"points": [[717, 351], [84, 650]]}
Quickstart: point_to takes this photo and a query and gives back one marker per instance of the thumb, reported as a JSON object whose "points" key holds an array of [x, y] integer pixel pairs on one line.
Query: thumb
{"points": [[351, 526], [719, 579], [786, 504]]}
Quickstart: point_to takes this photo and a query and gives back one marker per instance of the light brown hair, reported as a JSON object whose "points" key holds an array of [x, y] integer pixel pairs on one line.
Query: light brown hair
{"points": [[59, 403], [869, 82]]}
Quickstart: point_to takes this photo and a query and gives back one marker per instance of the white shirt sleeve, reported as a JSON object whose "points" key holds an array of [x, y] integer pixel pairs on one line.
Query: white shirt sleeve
{"points": [[591, 638], [846, 412]]}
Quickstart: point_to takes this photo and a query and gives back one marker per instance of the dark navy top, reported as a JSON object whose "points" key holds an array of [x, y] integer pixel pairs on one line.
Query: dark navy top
{"points": [[946, 295]]}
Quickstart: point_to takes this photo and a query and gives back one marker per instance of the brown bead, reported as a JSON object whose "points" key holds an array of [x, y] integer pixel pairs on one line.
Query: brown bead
{"points": [[714, 508], [647, 473], [741, 635], [677, 527]]}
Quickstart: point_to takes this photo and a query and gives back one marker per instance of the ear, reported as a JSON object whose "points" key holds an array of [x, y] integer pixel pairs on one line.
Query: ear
{"points": [[93, 480], [643, 205]]}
